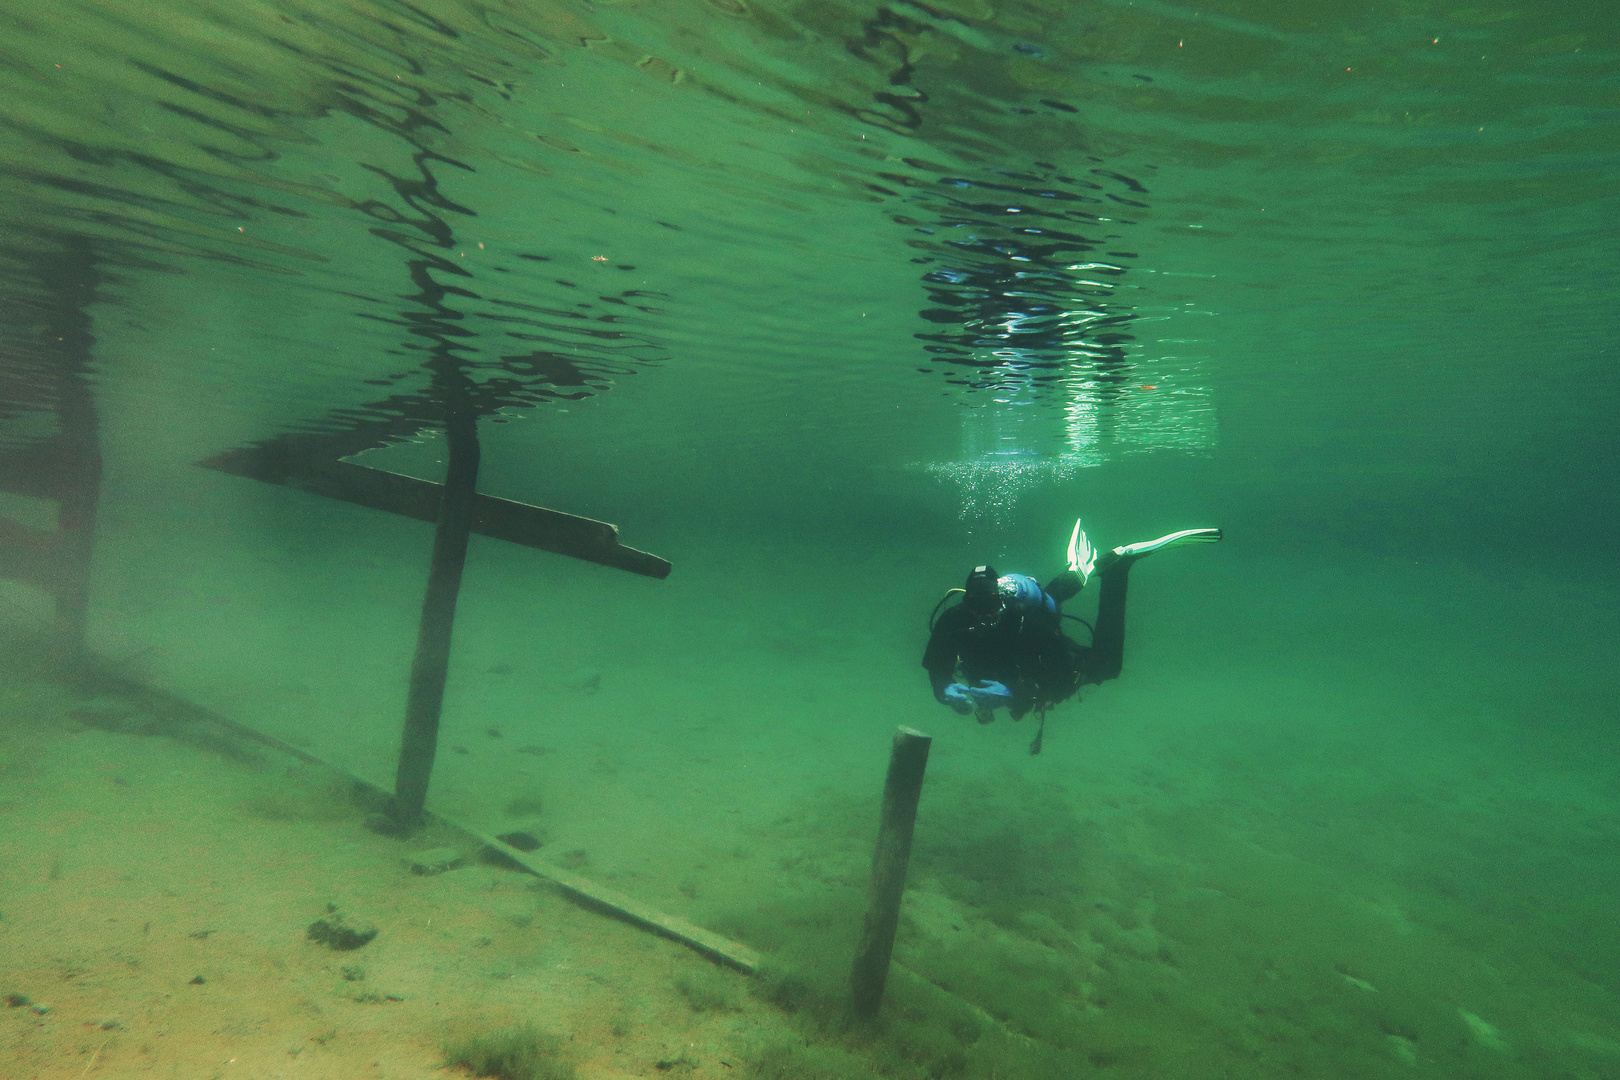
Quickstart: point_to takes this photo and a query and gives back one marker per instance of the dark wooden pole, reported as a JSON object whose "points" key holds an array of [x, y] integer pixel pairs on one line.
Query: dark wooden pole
{"points": [[76, 516], [431, 665], [901, 790], [75, 460]]}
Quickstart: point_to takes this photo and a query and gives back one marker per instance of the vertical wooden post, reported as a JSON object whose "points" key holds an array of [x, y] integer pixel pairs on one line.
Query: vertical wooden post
{"points": [[74, 469], [901, 790], [431, 665], [76, 507]]}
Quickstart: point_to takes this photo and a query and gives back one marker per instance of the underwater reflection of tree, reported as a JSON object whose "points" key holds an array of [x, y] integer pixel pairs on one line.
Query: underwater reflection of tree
{"points": [[438, 315], [1023, 298], [533, 378], [885, 40], [219, 166]]}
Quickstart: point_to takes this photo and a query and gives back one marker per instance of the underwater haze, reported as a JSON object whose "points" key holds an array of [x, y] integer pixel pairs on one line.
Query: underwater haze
{"points": [[825, 302]]}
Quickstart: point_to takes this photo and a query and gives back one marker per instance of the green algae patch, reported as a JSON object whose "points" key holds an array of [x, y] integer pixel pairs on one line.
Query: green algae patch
{"points": [[523, 1052]]}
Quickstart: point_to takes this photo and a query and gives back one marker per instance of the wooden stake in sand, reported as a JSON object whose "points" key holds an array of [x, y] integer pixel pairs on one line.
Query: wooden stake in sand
{"points": [[901, 791]]}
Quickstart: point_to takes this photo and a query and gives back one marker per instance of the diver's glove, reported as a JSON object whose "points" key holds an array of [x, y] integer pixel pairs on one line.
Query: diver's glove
{"points": [[988, 694], [956, 696]]}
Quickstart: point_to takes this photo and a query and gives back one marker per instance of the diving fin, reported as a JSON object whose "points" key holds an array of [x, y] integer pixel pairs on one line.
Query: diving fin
{"points": [[1082, 556], [1185, 536]]}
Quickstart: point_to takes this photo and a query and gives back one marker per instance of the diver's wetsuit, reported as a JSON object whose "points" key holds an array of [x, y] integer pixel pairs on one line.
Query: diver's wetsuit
{"points": [[1025, 649]]}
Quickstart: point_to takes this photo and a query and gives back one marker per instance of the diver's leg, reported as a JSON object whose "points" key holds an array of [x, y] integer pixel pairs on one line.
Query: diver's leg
{"points": [[1107, 654]]}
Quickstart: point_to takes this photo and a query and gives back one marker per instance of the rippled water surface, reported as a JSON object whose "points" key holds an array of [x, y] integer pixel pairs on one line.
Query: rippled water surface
{"points": [[826, 302]]}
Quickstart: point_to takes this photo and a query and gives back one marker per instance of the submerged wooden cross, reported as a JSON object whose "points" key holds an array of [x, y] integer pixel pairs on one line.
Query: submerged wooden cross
{"points": [[314, 464]]}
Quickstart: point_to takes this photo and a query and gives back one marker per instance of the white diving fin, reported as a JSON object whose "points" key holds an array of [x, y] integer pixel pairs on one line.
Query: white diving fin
{"points": [[1185, 536], [1082, 556]]}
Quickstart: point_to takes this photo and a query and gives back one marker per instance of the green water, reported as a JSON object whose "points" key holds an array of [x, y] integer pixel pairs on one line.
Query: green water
{"points": [[743, 277]]}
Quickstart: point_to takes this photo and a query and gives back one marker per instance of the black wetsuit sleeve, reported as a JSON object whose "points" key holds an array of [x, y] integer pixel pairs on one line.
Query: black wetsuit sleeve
{"points": [[942, 653]]}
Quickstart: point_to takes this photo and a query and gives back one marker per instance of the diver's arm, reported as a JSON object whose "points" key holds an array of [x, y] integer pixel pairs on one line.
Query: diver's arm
{"points": [[940, 660], [941, 655]]}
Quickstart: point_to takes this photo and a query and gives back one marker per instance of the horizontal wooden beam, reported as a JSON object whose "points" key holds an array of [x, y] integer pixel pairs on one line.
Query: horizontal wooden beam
{"points": [[394, 493]]}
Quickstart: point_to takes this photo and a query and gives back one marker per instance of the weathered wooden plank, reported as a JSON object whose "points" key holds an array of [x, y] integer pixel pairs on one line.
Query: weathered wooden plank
{"points": [[712, 945], [394, 493]]}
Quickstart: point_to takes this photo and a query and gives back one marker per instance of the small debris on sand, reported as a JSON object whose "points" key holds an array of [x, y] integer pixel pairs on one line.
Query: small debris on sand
{"points": [[339, 933]]}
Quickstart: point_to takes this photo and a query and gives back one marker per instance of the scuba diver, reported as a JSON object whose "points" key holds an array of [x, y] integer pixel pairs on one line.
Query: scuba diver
{"points": [[1004, 645]]}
